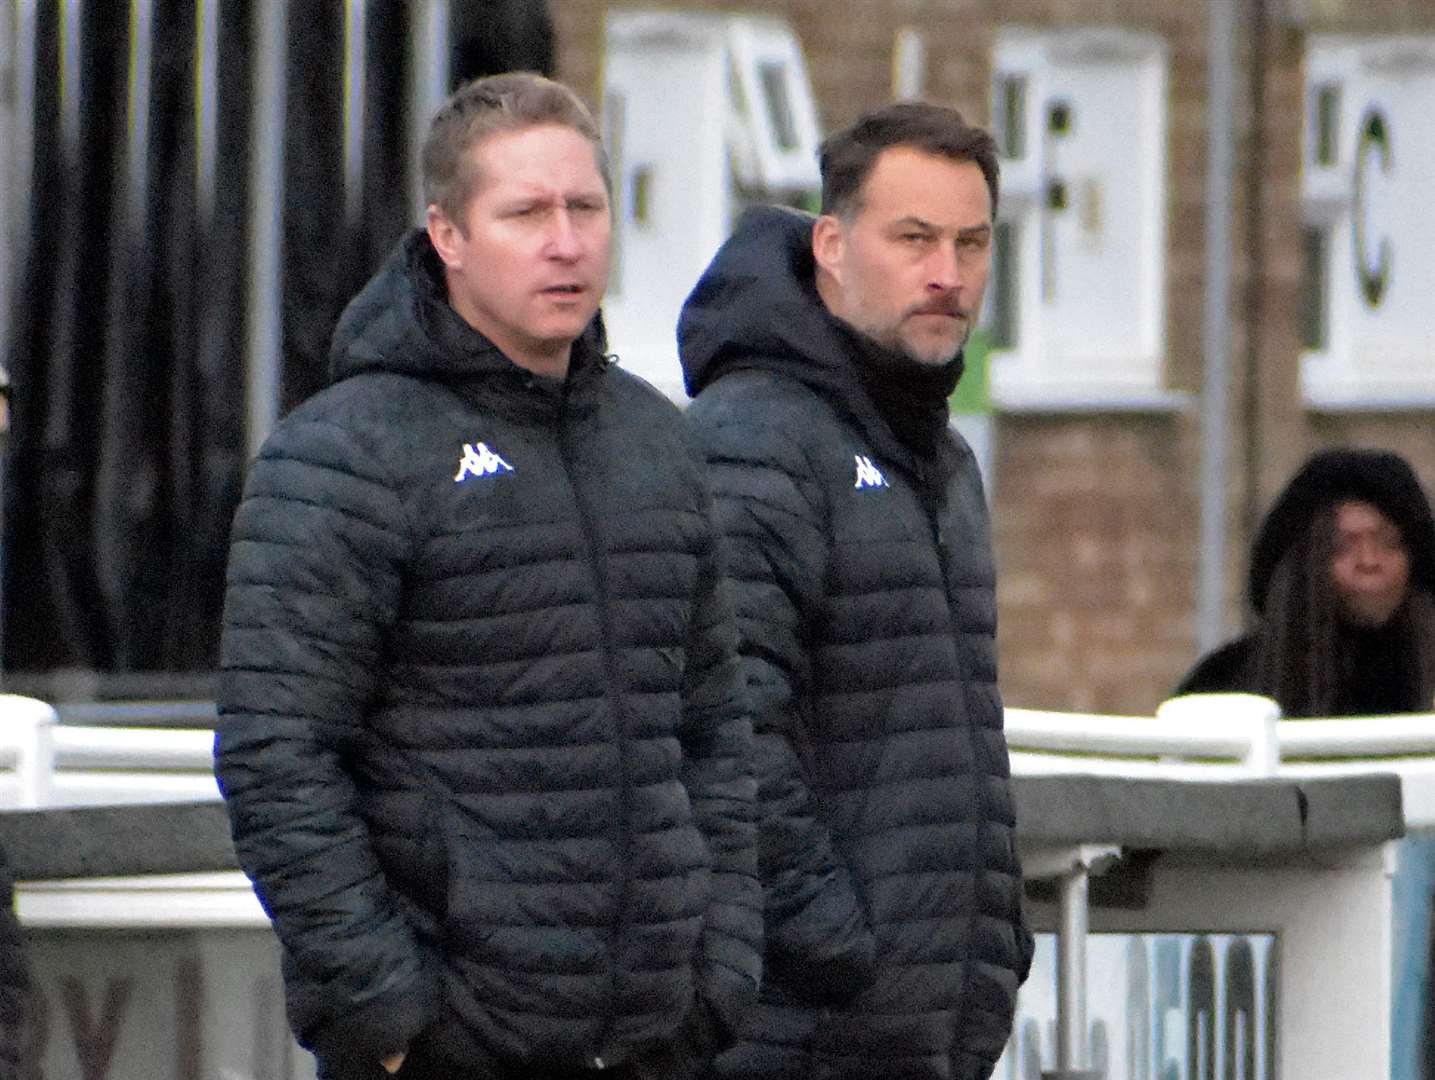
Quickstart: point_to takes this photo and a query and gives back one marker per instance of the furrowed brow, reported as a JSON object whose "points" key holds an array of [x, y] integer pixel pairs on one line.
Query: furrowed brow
{"points": [[913, 222]]}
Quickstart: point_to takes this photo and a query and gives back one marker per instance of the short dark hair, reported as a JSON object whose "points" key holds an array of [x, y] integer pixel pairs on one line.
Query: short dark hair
{"points": [[487, 106], [848, 157]]}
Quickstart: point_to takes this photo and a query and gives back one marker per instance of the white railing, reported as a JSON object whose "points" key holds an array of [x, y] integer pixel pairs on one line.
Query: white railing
{"points": [[46, 763], [125, 755], [1236, 733], [1205, 733], [1201, 735], [1229, 736]]}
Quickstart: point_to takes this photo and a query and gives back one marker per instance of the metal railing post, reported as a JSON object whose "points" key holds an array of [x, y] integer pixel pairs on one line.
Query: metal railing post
{"points": [[263, 318], [1074, 882], [428, 85], [355, 109], [31, 724], [1071, 970], [10, 195]]}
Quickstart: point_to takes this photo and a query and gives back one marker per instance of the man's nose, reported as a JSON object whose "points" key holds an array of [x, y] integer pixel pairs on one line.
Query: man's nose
{"points": [[564, 241], [943, 269]]}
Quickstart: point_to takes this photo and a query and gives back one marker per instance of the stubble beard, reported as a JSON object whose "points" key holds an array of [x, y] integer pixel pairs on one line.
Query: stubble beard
{"points": [[929, 356]]}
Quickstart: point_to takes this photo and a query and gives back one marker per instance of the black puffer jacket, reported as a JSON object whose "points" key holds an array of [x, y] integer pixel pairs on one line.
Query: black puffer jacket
{"points": [[482, 741], [864, 584]]}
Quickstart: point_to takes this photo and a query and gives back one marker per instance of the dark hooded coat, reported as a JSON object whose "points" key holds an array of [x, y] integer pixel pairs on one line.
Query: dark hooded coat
{"points": [[1380, 670], [858, 541], [481, 739]]}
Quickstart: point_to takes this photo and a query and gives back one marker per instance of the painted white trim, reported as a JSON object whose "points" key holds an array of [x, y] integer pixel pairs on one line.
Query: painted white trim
{"points": [[1031, 376], [755, 44], [1229, 737], [170, 901], [1066, 397], [1371, 361], [686, 93]]}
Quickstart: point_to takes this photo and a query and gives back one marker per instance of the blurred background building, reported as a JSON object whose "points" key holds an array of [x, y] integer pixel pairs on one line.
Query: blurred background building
{"points": [[1213, 257]]}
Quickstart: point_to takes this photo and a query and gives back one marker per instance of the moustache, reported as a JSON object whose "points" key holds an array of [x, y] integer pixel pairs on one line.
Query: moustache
{"points": [[950, 309]]}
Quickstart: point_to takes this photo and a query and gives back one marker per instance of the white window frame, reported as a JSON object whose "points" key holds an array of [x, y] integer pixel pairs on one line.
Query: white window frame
{"points": [[761, 159], [1339, 375], [693, 149], [1026, 376]]}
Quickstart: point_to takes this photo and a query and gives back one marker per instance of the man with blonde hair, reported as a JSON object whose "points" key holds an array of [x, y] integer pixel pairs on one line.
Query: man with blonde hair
{"points": [[482, 738]]}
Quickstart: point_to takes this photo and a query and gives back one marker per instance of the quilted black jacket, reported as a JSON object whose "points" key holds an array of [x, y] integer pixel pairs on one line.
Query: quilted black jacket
{"points": [[864, 587], [482, 741]]}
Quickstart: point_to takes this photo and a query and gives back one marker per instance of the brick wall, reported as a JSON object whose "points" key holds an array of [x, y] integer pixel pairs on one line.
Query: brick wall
{"points": [[1097, 516], [1094, 527]]}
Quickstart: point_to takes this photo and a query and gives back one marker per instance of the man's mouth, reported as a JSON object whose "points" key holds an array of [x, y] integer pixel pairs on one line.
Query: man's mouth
{"points": [[569, 289]]}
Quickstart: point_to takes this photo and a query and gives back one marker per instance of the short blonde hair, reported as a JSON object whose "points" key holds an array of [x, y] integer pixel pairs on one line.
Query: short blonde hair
{"points": [[485, 107]]}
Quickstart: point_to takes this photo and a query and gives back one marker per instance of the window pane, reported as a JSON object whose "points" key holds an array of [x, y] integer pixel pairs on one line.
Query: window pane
{"points": [[1003, 297], [779, 108], [1009, 116], [1325, 124], [1314, 292]]}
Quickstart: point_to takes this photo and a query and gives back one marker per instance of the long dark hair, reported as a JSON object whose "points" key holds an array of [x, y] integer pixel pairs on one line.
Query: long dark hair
{"points": [[1300, 660]]}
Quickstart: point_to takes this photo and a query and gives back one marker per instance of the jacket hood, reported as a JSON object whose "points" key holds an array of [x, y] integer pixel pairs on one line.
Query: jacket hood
{"points": [[758, 301], [1378, 477], [402, 322], [757, 307]]}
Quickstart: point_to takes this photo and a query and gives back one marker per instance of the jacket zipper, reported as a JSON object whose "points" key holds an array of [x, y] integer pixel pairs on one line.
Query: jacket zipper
{"points": [[588, 524], [932, 507]]}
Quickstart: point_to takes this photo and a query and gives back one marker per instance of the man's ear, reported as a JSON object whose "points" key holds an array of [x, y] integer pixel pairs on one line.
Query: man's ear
{"points": [[827, 243], [445, 236]]}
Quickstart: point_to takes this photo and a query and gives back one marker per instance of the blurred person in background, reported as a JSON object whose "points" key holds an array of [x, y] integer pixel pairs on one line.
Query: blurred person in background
{"points": [[1342, 584]]}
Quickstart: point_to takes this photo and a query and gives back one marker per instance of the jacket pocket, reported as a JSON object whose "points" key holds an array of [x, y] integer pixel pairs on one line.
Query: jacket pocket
{"points": [[466, 842]]}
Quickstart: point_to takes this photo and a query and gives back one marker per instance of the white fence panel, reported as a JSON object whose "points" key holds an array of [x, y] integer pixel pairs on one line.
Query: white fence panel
{"points": [[46, 763]]}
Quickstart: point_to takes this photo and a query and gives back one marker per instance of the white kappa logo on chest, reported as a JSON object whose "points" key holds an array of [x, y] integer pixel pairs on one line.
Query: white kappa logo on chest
{"points": [[868, 475], [479, 460]]}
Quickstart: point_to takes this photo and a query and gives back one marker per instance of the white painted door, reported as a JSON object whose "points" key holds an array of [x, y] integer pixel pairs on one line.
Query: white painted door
{"points": [[1084, 195], [664, 110]]}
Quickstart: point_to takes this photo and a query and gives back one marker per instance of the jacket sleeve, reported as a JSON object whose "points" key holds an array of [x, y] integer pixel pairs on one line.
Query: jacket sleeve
{"points": [[1227, 669], [771, 514], [717, 754], [313, 583]]}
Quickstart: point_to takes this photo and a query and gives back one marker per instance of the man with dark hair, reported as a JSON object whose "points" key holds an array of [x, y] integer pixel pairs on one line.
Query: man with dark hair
{"points": [[821, 354], [1342, 583], [482, 738]]}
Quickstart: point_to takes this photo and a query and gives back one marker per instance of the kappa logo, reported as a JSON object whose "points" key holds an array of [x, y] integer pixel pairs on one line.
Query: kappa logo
{"points": [[868, 475], [479, 460]]}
